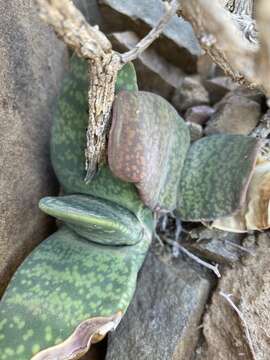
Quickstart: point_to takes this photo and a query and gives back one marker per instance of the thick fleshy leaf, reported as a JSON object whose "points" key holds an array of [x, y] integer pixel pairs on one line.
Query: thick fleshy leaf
{"points": [[216, 175], [126, 79], [69, 140], [98, 220], [78, 344], [65, 281], [255, 214], [148, 143]]}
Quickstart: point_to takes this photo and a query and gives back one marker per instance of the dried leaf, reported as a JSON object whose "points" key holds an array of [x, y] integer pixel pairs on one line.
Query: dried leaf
{"points": [[88, 332], [255, 213]]}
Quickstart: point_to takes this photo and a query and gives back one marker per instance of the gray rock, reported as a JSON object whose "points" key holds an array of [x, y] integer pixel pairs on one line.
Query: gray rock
{"points": [[32, 63], [215, 245], [234, 115], [162, 321], [199, 114], [154, 72], [178, 43], [262, 131], [218, 87], [190, 93], [196, 131]]}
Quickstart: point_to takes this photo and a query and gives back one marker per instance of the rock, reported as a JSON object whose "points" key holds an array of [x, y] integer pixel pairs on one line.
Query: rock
{"points": [[91, 11], [251, 94], [162, 321], [215, 245], [249, 285], [190, 93], [154, 73], [218, 87], [32, 62], [196, 131], [205, 66], [178, 43], [262, 131], [199, 114], [234, 115]]}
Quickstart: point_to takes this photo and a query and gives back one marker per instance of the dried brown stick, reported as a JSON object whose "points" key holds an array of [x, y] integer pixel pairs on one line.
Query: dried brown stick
{"points": [[104, 63], [227, 297]]}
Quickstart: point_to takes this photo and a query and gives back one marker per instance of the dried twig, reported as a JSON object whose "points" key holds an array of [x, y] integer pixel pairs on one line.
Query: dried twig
{"points": [[231, 40], [227, 297], [242, 248], [171, 9], [104, 64], [211, 267]]}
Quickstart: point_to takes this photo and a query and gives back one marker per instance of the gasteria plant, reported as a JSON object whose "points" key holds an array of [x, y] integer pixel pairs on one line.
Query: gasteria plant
{"points": [[78, 283]]}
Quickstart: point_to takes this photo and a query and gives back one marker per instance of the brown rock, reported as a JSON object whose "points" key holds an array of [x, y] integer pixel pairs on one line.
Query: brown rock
{"points": [[215, 245], [163, 318], [154, 73], [199, 114], [32, 62], [234, 115], [177, 44], [218, 87], [249, 285], [190, 93]]}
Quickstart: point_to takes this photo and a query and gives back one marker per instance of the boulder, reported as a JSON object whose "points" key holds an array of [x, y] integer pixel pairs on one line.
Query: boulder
{"points": [[154, 73], [218, 87], [248, 284], [32, 63], [178, 43], [199, 114], [162, 321], [216, 245], [190, 93], [234, 115]]}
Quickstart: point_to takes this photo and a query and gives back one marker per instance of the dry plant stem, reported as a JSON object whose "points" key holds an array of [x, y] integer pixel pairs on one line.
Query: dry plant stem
{"points": [[221, 38], [211, 267], [242, 248], [131, 55], [104, 64], [227, 297], [72, 27]]}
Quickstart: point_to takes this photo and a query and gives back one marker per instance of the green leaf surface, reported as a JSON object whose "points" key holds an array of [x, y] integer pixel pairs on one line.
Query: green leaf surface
{"points": [[215, 177], [97, 220], [65, 281], [69, 140], [148, 143]]}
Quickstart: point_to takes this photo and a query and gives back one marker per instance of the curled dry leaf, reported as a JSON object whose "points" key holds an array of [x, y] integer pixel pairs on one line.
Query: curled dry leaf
{"points": [[88, 332], [254, 215]]}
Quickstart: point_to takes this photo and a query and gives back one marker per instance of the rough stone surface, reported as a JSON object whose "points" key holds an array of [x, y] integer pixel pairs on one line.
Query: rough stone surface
{"points": [[234, 115], [163, 318], [199, 114], [249, 285], [178, 43], [195, 130], [32, 61], [218, 87], [262, 131], [154, 73], [215, 245], [190, 93]]}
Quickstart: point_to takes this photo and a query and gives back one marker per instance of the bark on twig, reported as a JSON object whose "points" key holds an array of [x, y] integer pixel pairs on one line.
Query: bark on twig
{"points": [[231, 39], [90, 43]]}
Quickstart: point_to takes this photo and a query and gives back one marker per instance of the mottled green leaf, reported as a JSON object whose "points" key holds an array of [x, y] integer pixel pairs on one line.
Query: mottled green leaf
{"points": [[65, 281], [148, 143], [215, 177], [69, 141], [126, 79], [98, 220]]}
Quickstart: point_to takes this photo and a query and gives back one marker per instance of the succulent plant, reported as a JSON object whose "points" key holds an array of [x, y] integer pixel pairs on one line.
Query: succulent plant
{"points": [[89, 267]]}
